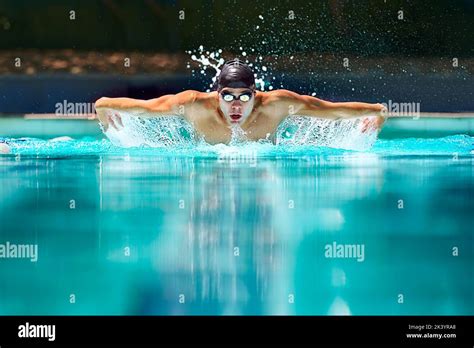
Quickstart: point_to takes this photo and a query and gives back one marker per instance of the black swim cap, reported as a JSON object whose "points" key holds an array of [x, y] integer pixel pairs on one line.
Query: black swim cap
{"points": [[235, 74]]}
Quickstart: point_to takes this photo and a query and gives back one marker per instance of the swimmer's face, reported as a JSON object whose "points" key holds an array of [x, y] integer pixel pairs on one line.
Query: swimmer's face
{"points": [[236, 103]]}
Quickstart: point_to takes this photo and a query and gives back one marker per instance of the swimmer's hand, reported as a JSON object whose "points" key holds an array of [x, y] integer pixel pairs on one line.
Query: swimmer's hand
{"points": [[108, 118], [375, 123], [372, 124]]}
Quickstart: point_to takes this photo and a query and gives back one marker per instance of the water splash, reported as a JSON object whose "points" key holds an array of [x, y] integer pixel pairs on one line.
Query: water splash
{"points": [[142, 128], [461, 145], [238, 135], [210, 62], [148, 129], [343, 134], [296, 130], [207, 60]]}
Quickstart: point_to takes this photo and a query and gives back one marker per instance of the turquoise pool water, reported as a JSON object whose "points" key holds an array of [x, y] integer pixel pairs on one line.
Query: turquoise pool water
{"points": [[238, 230]]}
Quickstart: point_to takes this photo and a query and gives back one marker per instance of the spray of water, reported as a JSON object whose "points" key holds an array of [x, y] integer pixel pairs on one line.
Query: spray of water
{"points": [[208, 63], [295, 130], [153, 130], [341, 134], [238, 135], [147, 129]]}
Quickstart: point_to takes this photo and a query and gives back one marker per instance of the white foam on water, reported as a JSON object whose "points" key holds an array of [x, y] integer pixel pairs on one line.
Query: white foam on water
{"points": [[341, 134], [148, 129], [238, 135]]}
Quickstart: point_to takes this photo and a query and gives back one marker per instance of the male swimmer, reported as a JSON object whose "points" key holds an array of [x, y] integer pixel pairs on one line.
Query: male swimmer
{"points": [[236, 102]]}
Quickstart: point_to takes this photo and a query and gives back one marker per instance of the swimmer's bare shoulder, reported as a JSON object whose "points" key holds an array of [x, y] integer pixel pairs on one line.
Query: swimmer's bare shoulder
{"points": [[165, 104], [188, 103], [276, 104], [281, 103]]}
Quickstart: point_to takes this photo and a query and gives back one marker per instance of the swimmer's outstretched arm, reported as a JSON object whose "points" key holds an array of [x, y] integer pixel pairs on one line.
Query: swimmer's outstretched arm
{"points": [[172, 104], [291, 103]]}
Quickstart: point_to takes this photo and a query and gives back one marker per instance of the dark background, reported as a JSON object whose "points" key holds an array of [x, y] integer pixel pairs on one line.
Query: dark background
{"points": [[370, 27], [80, 60]]}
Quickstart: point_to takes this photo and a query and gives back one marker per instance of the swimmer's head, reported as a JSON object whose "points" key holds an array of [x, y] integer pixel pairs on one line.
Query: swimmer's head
{"points": [[236, 91], [235, 74]]}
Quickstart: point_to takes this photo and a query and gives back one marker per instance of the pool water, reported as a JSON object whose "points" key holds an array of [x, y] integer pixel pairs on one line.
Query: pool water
{"points": [[248, 229]]}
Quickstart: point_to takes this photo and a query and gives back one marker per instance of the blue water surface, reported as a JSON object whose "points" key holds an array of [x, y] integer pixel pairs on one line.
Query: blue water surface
{"points": [[240, 229]]}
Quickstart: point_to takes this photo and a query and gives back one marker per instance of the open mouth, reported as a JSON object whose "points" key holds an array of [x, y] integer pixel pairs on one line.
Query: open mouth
{"points": [[235, 117]]}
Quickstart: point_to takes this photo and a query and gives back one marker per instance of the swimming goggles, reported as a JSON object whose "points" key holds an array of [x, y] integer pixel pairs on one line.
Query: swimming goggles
{"points": [[244, 97]]}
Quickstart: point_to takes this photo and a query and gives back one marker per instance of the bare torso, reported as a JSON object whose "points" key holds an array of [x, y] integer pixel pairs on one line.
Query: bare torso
{"points": [[202, 110], [210, 123]]}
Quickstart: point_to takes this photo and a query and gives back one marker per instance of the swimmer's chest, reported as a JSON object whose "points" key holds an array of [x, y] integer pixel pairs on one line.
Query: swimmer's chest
{"points": [[214, 131], [211, 130]]}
